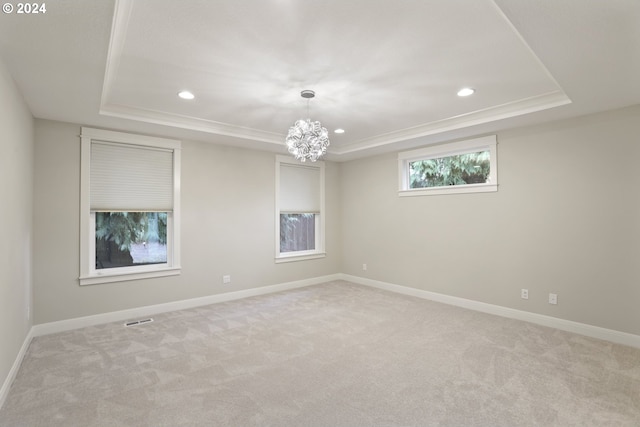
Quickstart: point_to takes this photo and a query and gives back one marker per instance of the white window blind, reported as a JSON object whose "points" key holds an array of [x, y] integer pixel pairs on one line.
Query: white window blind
{"points": [[130, 178], [299, 189]]}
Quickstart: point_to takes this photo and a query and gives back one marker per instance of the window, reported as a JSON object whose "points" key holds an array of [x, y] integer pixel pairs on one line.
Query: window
{"points": [[130, 207], [297, 232], [125, 239], [461, 167], [299, 210]]}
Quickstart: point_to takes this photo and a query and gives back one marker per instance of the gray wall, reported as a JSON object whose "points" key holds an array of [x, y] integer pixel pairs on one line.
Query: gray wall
{"points": [[16, 193], [228, 220], [566, 219]]}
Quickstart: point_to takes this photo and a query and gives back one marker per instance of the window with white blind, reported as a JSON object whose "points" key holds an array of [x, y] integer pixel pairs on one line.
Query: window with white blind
{"points": [[299, 210], [130, 207]]}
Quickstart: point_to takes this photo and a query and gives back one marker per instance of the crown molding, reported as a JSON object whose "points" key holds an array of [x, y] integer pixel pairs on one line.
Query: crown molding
{"points": [[492, 114], [190, 123]]}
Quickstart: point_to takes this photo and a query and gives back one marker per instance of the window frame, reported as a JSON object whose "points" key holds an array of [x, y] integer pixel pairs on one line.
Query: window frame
{"points": [[89, 275], [319, 251], [446, 150]]}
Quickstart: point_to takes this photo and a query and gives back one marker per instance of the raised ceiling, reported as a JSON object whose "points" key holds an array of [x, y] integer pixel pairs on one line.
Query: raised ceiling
{"points": [[385, 71]]}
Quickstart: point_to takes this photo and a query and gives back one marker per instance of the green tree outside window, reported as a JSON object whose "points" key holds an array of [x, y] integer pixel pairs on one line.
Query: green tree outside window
{"points": [[469, 168]]}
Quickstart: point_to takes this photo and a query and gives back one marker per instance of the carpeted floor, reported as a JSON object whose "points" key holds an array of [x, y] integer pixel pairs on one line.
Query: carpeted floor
{"points": [[336, 354]]}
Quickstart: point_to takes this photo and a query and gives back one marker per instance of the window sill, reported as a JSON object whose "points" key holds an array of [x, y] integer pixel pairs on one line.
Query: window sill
{"points": [[452, 189], [122, 277], [292, 258]]}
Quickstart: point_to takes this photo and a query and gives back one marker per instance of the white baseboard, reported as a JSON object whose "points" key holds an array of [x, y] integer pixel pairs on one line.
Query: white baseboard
{"points": [[123, 315], [540, 319], [611, 335], [4, 391], [117, 316]]}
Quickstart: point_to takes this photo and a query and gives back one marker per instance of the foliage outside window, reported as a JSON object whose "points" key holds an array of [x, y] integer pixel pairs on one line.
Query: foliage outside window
{"points": [[126, 239], [461, 167]]}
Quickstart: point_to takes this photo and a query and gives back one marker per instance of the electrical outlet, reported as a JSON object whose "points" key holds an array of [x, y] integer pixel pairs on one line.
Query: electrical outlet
{"points": [[364, 267], [553, 299], [524, 293], [226, 279]]}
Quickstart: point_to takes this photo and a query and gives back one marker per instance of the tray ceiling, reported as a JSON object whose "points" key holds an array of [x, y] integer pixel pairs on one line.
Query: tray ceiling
{"points": [[385, 72]]}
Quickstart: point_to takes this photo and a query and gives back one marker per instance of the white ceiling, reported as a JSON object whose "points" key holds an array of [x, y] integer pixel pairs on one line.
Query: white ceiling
{"points": [[385, 71]]}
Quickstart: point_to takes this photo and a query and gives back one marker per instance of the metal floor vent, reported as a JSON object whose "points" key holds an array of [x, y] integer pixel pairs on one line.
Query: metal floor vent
{"points": [[138, 322]]}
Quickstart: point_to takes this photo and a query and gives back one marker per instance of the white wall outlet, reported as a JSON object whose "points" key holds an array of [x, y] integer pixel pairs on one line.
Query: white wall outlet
{"points": [[364, 267], [553, 298], [226, 279], [524, 293]]}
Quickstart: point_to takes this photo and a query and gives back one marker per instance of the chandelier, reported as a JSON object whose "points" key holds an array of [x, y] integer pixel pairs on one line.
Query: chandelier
{"points": [[307, 140]]}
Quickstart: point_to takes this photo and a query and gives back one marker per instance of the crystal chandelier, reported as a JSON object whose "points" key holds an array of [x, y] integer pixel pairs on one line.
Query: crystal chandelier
{"points": [[307, 140]]}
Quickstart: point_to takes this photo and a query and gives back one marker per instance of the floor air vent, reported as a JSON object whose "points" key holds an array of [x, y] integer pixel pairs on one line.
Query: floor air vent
{"points": [[138, 322]]}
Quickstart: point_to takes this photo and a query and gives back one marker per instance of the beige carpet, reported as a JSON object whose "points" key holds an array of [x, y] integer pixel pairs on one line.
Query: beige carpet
{"points": [[336, 354]]}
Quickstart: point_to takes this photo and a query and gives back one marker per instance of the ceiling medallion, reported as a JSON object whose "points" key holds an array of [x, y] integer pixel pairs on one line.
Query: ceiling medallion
{"points": [[307, 140]]}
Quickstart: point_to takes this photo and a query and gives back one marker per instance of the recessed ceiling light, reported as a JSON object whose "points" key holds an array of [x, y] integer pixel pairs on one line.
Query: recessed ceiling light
{"points": [[339, 131], [185, 94], [466, 91]]}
